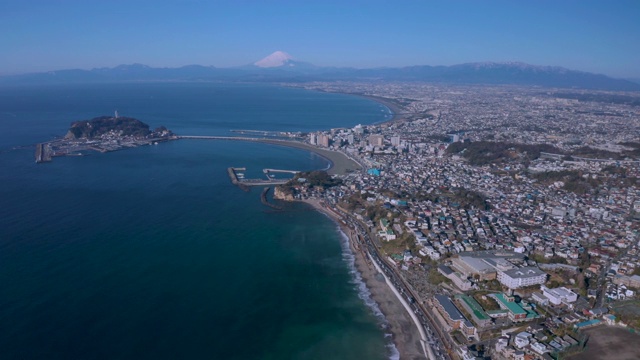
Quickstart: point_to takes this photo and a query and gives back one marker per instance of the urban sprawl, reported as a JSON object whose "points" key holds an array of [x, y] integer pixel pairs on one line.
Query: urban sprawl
{"points": [[511, 213]]}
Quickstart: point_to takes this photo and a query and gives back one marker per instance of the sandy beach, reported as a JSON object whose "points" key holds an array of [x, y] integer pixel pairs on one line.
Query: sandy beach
{"points": [[340, 164], [403, 330], [398, 113]]}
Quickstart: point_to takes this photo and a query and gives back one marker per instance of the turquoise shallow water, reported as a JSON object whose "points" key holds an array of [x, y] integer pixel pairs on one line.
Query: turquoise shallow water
{"points": [[152, 253]]}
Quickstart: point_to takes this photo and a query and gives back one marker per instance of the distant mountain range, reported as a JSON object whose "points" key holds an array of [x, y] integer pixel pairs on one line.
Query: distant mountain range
{"points": [[281, 67]]}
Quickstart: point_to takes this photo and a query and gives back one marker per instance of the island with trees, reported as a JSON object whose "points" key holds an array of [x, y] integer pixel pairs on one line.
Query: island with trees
{"points": [[102, 134]]}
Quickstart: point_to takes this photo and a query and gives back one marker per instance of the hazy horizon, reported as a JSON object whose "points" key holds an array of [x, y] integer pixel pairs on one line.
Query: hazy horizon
{"points": [[301, 60], [592, 36]]}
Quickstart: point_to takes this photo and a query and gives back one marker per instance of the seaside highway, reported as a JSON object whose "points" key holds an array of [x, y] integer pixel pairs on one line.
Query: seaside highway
{"points": [[439, 343]]}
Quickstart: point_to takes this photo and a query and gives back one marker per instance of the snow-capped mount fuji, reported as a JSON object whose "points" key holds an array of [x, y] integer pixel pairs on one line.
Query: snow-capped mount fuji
{"points": [[276, 59], [282, 60]]}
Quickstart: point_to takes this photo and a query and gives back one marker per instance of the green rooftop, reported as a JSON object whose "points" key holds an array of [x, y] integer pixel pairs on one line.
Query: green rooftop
{"points": [[510, 305], [478, 312]]}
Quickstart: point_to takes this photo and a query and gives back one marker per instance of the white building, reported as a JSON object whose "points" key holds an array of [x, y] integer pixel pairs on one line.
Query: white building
{"points": [[519, 248], [429, 251], [502, 343], [522, 277], [387, 235], [559, 295], [538, 347], [522, 339], [459, 280], [540, 298]]}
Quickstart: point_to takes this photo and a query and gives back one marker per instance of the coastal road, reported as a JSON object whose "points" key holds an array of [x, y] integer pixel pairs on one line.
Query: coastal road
{"points": [[433, 339]]}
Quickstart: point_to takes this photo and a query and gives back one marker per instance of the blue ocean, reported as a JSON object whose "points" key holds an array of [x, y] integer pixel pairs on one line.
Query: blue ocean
{"points": [[152, 253]]}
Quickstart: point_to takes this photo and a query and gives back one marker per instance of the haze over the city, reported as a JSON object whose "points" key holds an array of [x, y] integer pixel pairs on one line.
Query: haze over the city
{"points": [[593, 36]]}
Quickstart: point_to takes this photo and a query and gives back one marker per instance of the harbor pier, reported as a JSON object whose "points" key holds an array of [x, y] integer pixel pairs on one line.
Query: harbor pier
{"points": [[43, 152], [244, 184]]}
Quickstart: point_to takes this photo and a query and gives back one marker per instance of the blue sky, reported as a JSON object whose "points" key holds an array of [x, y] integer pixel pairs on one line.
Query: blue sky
{"points": [[595, 36]]}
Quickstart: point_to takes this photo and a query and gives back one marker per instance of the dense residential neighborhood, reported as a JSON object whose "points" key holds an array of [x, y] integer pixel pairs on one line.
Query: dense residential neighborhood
{"points": [[513, 212]]}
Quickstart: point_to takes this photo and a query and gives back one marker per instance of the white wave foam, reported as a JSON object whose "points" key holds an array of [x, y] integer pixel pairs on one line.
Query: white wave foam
{"points": [[329, 163], [394, 353], [364, 294]]}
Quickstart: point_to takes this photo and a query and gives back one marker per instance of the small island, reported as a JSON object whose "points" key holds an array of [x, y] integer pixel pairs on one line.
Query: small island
{"points": [[102, 134]]}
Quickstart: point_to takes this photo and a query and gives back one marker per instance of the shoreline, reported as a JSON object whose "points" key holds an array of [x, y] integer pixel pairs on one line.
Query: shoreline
{"points": [[397, 112], [333, 157], [339, 163], [405, 335]]}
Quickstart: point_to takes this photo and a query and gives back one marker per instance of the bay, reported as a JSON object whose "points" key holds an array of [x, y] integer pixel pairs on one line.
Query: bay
{"points": [[152, 253]]}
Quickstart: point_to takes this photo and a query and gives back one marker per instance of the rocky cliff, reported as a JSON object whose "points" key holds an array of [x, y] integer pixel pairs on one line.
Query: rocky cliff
{"points": [[280, 194]]}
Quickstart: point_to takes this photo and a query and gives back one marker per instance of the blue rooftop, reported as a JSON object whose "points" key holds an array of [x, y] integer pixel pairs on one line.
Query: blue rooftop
{"points": [[588, 323]]}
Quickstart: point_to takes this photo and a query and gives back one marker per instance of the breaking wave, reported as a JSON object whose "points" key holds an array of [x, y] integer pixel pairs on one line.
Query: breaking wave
{"points": [[364, 294]]}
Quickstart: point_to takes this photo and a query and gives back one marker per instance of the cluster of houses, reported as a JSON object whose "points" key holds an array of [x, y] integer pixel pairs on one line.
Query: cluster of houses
{"points": [[484, 224], [464, 314]]}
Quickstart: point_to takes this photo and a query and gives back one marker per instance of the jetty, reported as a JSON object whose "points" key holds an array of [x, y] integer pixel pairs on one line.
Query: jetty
{"points": [[234, 178], [267, 171], [43, 152], [265, 201]]}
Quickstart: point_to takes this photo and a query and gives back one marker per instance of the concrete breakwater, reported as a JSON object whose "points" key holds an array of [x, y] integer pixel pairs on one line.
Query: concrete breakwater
{"points": [[43, 152], [234, 178], [245, 184], [265, 201]]}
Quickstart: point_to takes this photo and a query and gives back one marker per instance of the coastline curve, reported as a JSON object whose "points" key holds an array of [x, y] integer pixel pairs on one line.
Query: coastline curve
{"points": [[339, 163]]}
